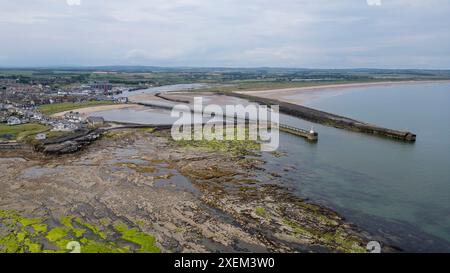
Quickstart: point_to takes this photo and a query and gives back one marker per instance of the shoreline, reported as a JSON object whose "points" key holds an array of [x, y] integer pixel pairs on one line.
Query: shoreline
{"points": [[161, 196], [214, 179], [92, 109], [306, 94]]}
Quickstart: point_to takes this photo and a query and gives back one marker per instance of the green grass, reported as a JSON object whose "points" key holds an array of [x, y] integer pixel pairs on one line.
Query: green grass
{"points": [[56, 134], [21, 131], [50, 109]]}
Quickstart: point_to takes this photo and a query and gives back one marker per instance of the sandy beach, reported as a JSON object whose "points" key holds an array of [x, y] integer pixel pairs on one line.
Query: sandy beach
{"points": [[89, 110], [302, 95], [297, 95]]}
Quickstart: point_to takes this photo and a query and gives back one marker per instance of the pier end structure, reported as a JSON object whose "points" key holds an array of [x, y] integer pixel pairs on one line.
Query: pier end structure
{"points": [[309, 135]]}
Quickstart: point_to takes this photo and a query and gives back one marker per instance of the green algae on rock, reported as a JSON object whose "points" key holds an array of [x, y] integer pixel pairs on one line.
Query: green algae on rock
{"points": [[260, 211], [133, 235], [236, 146], [335, 239], [19, 234]]}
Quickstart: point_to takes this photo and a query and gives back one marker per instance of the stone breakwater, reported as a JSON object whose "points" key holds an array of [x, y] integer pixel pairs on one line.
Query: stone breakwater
{"points": [[328, 119]]}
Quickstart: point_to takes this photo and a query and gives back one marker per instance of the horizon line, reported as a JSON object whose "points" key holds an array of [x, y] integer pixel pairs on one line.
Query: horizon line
{"points": [[209, 67]]}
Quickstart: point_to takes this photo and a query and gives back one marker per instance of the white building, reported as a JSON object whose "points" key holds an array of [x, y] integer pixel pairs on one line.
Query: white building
{"points": [[37, 116], [64, 127], [73, 117], [41, 136], [13, 121], [122, 100]]}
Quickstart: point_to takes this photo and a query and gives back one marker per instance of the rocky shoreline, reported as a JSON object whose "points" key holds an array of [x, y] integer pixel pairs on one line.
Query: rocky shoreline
{"points": [[181, 197]]}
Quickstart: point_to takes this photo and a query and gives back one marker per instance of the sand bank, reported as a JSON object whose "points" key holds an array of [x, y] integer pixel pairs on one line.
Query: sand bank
{"points": [[301, 95], [89, 110]]}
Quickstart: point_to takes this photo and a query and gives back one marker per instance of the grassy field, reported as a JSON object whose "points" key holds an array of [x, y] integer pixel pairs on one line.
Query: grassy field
{"points": [[49, 109], [19, 132]]}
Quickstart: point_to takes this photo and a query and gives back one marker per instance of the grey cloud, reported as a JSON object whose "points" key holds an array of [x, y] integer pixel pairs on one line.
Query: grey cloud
{"points": [[295, 33]]}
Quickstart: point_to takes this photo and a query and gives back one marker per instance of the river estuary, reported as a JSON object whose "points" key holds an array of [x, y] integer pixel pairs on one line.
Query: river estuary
{"points": [[399, 192]]}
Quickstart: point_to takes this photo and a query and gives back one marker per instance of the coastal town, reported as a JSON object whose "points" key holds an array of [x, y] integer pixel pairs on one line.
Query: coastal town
{"points": [[35, 96], [22, 103]]}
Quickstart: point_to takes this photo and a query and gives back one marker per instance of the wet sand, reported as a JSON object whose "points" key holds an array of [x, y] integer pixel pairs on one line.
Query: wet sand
{"points": [[89, 110], [298, 95], [150, 98], [302, 95]]}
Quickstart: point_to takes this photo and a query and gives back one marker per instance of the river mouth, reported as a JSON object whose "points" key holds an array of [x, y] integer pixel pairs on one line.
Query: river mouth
{"points": [[394, 189]]}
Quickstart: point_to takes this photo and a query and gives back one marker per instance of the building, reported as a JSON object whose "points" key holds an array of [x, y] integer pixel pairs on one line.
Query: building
{"points": [[41, 136], [73, 117], [13, 121], [37, 116], [64, 127], [103, 86], [122, 100], [3, 117], [95, 121]]}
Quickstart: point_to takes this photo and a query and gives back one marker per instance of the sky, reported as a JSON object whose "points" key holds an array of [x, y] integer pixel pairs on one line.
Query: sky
{"points": [[226, 33]]}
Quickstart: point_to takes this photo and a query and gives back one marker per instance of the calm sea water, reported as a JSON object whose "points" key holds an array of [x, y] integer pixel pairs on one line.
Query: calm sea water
{"points": [[399, 191]]}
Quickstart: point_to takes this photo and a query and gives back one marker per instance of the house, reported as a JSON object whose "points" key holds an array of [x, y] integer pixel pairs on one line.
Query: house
{"points": [[95, 121], [73, 117], [3, 117], [122, 100], [104, 86], [41, 136], [64, 127], [37, 116], [13, 121]]}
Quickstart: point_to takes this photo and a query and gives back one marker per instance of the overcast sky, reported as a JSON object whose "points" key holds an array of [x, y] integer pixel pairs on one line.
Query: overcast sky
{"points": [[240, 33]]}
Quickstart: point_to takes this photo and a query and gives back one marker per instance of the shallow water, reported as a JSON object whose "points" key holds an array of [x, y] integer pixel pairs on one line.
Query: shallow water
{"points": [[365, 176]]}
